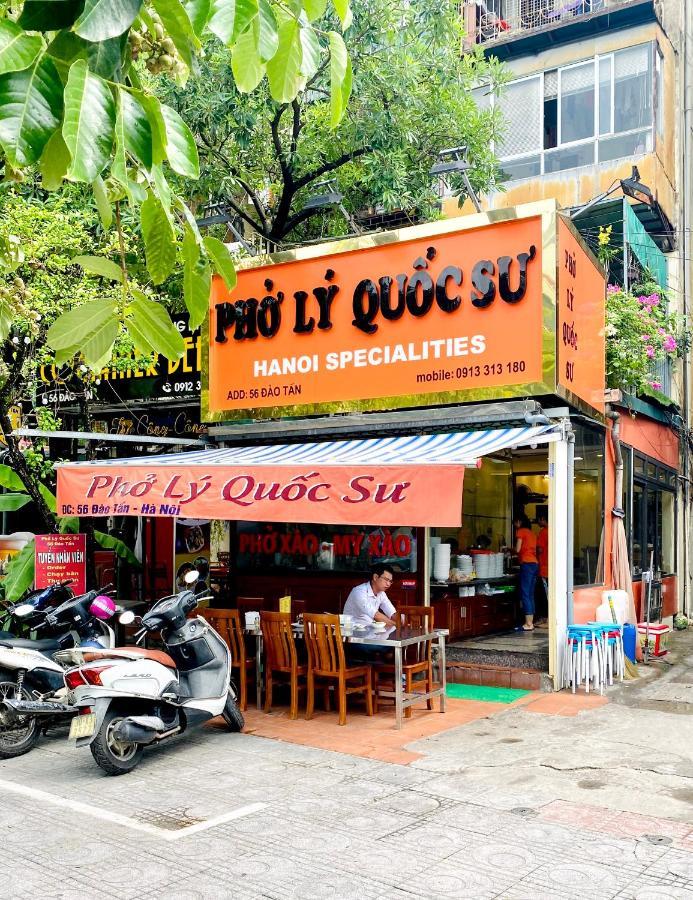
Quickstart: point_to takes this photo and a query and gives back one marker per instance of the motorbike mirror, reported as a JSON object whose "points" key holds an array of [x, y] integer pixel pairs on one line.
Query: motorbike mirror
{"points": [[191, 577], [127, 617], [24, 609]]}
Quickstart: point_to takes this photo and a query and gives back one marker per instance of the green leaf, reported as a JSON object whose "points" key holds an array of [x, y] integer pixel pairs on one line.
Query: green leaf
{"points": [[88, 126], [19, 573], [310, 46], [180, 144], [197, 280], [13, 502], [284, 69], [98, 349], [103, 19], [68, 525], [340, 77], [11, 253], [152, 109], [108, 542], [103, 204], [198, 13], [223, 263], [17, 48], [137, 130], [315, 9], [48, 496], [266, 31], [247, 67], [159, 239], [54, 162], [230, 18], [342, 9], [49, 15], [64, 49], [10, 480], [178, 26], [73, 328], [98, 265], [6, 320], [153, 323], [106, 58], [31, 105]]}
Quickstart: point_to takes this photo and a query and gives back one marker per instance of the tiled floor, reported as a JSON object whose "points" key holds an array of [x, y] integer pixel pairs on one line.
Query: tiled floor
{"points": [[377, 738]]}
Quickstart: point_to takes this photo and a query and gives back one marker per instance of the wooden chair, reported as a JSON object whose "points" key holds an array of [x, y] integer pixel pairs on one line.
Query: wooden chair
{"points": [[227, 622], [416, 658], [280, 656], [326, 661]]}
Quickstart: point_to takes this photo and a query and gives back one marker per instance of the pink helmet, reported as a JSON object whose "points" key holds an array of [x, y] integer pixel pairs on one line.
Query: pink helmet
{"points": [[102, 607]]}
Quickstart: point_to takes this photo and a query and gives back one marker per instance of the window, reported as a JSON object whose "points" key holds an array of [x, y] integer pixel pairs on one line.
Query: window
{"points": [[589, 503], [659, 92], [598, 110], [652, 529], [576, 89]]}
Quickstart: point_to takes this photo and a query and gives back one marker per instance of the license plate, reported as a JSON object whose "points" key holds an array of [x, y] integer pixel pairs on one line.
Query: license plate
{"points": [[82, 726]]}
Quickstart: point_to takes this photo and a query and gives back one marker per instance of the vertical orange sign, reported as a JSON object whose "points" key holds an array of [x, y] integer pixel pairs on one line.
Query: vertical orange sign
{"points": [[580, 334]]}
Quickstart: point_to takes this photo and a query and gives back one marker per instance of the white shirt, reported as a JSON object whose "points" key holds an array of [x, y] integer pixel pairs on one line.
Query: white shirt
{"points": [[362, 603]]}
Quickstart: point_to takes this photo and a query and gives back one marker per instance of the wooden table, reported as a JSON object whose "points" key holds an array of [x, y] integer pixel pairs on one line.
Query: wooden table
{"points": [[391, 638]]}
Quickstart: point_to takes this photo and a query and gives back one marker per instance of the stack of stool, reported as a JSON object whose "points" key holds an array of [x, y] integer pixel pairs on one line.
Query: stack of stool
{"points": [[594, 655]]}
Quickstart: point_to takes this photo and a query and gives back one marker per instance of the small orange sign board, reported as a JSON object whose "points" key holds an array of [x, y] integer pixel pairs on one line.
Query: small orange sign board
{"points": [[580, 307], [457, 310]]}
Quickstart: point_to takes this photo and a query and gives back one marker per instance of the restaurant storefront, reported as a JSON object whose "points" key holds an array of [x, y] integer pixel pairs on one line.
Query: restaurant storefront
{"points": [[377, 397]]}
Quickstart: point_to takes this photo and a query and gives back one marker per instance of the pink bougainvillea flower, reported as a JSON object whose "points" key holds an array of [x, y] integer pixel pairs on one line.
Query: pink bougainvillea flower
{"points": [[612, 289], [653, 299], [644, 337], [650, 352], [669, 344], [656, 385], [661, 331]]}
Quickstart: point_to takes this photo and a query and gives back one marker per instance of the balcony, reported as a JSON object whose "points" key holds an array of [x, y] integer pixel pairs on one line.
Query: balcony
{"points": [[502, 23]]}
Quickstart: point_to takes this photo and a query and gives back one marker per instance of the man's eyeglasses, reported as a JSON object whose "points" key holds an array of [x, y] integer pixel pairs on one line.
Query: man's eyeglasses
{"points": [[386, 578]]}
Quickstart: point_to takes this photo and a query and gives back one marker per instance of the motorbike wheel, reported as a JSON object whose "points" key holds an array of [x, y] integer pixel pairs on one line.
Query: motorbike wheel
{"points": [[232, 714], [21, 735], [115, 757]]}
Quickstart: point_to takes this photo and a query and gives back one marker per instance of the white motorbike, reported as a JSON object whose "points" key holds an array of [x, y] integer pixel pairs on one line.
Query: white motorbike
{"points": [[131, 697], [33, 695]]}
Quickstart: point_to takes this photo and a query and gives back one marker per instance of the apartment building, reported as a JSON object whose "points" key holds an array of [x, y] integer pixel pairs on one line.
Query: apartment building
{"points": [[598, 87]]}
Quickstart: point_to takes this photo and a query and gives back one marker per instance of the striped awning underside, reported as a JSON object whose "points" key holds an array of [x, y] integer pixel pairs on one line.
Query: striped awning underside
{"points": [[462, 448]]}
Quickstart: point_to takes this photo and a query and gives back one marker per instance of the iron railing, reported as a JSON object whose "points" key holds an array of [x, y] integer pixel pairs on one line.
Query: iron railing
{"points": [[493, 20]]}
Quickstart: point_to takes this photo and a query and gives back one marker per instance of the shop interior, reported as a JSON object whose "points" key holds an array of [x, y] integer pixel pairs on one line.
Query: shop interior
{"points": [[254, 564]]}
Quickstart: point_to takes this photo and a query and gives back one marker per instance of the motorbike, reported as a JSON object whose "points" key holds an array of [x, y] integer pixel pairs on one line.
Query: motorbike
{"points": [[31, 609], [132, 697], [33, 694]]}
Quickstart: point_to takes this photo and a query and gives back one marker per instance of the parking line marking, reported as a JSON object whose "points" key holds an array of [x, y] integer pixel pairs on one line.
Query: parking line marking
{"points": [[119, 819]]}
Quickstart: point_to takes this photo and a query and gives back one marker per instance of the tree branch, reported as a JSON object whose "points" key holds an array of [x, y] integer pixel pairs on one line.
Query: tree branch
{"points": [[254, 199], [297, 219], [331, 166], [296, 130], [278, 149]]}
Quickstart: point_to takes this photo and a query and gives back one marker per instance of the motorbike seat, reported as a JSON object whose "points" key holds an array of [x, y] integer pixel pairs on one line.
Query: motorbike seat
{"points": [[46, 645], [155, 655]]}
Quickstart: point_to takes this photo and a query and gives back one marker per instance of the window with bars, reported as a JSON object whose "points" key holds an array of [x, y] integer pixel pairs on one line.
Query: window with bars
{"points": [[593, 111]]}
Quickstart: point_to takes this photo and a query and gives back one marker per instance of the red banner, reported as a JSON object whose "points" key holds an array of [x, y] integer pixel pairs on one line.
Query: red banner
{"points": [[358, 495], [61, 557]]}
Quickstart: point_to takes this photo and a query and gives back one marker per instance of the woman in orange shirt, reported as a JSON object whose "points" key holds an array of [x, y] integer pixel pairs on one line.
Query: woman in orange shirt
{"points": [[526, 551]]}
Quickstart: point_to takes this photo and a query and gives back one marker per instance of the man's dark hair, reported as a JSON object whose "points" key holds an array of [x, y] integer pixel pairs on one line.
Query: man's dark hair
{"points": [[380, 569]]}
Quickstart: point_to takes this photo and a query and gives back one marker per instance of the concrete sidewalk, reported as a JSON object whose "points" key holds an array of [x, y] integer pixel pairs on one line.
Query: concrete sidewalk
{"points": [[525, 802]]}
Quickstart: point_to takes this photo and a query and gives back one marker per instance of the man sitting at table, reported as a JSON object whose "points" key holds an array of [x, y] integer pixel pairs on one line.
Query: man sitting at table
{"points": [[368, 602]]}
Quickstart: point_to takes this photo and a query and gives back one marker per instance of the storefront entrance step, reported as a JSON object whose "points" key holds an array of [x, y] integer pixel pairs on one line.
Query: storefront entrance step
{"points": [[461, 652], [525, 679]]}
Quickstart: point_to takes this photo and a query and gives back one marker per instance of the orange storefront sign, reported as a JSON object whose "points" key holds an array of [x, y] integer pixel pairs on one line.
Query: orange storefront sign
{"points": [[463, 309], [357, 494]]}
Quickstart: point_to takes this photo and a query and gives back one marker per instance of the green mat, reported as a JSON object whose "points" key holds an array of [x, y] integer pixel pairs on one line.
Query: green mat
{"points": [[486, 694]]}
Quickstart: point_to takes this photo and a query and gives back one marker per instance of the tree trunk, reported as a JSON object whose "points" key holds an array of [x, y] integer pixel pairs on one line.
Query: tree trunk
{"points": [[31, 483]]}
